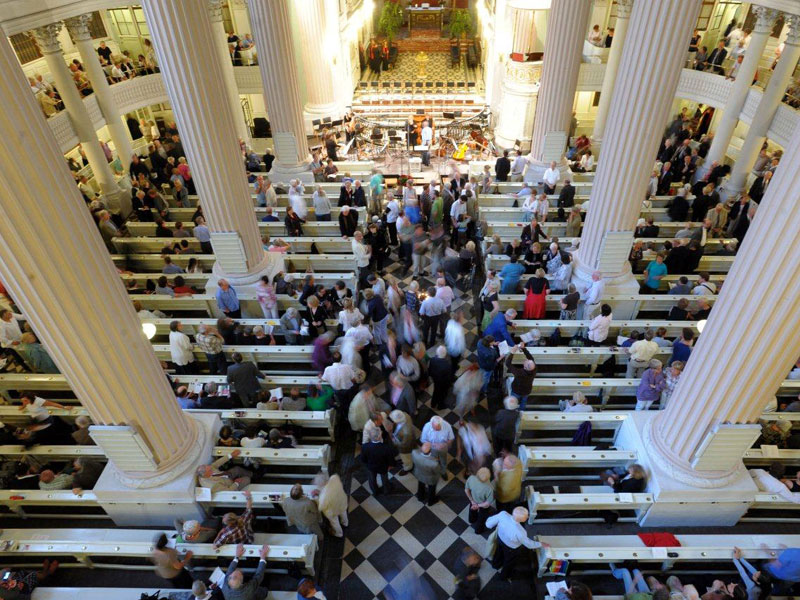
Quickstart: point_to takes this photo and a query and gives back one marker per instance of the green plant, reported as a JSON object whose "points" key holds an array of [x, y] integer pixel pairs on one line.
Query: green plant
{"points": [[391, 19], [460, 22]]}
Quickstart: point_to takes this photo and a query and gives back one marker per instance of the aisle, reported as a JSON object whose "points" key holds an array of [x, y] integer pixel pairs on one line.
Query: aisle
{"points": [[394, 541]]}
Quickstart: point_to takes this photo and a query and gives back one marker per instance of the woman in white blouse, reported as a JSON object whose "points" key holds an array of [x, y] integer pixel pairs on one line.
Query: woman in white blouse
{"points": [[350, 316], [598, 328]]}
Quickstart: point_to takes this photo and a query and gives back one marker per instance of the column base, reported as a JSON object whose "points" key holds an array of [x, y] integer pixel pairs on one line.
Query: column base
{"points": [[282, 174], [622, 284], [271, 265], [320, 111], [698, 500], [159, 504]]}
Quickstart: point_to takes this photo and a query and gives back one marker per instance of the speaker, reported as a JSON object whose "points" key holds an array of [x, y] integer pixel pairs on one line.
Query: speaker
{"points": [[261, 128]]}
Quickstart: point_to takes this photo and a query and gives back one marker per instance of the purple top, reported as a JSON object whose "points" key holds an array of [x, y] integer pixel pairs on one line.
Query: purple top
{"points": [[644, 392]]}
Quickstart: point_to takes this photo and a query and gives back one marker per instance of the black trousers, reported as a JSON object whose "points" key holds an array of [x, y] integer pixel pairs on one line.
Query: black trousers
{"points": [[429, 325], [373, 482], [505, 559], [217, 363], [187, 369], [205, 248], [234, 314], [427, 493], [477, 518], [392, 233], [549, 190]]}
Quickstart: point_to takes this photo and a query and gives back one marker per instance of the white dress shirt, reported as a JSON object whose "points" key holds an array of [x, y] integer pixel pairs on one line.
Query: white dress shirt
{"points": [[767, 483], [180, 348], [361, 252], [551, 177], [426, 136], [458, 208], [360, 334], [393, 211], [594, 293], [643, 350], [446, 295], [511, 533], [443, 436], [339, 376], [704, 289]]}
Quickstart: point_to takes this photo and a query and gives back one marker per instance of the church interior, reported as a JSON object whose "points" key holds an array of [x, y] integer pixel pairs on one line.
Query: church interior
{"points": [[399, 299]]}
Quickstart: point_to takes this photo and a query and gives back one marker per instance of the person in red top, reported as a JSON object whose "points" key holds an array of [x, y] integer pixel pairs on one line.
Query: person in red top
{"points": [[237, 530], [180, 288]]}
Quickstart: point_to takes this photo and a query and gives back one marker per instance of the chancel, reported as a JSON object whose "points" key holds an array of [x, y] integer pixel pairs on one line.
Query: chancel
{"points": [[422, 299]]}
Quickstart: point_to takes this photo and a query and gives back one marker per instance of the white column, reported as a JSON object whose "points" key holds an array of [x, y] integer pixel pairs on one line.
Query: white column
{"points": [[523, 30], [272, 31], [47, 39], [566, 29], [318, 50], [190, 67], [610, 76], [68, 288], [770, 101], [722, 382], [231, 89], [636, 120], [79, 31], [741, 86]]}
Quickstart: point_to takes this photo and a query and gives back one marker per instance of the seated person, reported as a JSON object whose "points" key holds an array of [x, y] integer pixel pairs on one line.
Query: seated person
{"points": [[237, 529], [632, 481], [217, 479], [578, 403], [293, 401], [195, 532], [49, 480], [775, 482], [227, 437], [19, 585], [279, 440], [85, 473]]}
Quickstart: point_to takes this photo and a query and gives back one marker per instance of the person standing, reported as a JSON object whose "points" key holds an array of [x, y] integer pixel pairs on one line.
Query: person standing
{"points": [[651, 385], [439, 434], [228, 300], [502, 167], [511, 536], [181, 350], [169, 566], [480, 493], [210, 341], [427, 470], [362, 254], [426, 140], [243, 377], [378, 457], [234, 587], [302, 512], [431, 311], [442, 373], [551, 178]]}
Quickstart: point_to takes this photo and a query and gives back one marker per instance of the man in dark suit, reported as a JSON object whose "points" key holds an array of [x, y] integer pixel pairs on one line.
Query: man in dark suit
{"points": [[717, 57], [502, 167], [378, 456], [566, 198], [243, 378], [441, 371], [665, 179], [759, 187], [358, 194], [651, 230], [346, 194]]}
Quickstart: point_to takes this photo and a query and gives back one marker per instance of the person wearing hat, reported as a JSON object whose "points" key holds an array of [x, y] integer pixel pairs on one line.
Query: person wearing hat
{"points": [[195, 532]]}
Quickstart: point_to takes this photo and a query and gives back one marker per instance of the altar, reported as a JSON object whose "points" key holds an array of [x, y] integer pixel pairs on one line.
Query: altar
{"points": [[425, 17]]}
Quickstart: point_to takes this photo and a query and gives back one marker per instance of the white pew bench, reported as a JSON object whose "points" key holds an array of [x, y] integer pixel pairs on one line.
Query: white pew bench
{"points": [[710, 263], [570, 328], [643, 302], [298, 245], [306, 456], [301, 262], [199, 280], [559, 457], [588, 500], [757, 456]]}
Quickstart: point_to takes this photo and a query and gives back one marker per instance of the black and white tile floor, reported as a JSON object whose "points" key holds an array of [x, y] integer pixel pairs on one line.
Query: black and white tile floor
{"points": [[394, 540]]}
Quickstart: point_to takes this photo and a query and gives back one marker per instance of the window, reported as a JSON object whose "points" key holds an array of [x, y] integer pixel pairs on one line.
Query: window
{"points": [[705, 15], [26, 48], [97, 28], [138, 13], [123, 20]]}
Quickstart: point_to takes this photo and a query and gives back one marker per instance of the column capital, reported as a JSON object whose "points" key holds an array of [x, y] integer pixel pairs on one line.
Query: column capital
{"points": [[215, 10], [78, 27], [765, 19], [46, 37], [793, 37], [624, 8]]}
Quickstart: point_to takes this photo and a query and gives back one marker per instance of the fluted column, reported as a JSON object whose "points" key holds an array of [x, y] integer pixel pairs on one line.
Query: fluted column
{"points": [[318, 51], [58, 269], [566, 29], [643, 96], [47, 39], [79, 31], [523, 33], [190, 67], [273, 35], [741, 359], [231, 89], [741, 86], [767, 106], [610, 75]]}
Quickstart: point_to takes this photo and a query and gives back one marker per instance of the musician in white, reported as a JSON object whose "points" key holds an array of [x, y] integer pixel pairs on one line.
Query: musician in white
{"points": [[426, 137]]}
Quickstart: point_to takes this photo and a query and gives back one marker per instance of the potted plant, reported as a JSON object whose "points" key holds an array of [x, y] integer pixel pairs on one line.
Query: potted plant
{"points": [[391, 19], [460, 23]]}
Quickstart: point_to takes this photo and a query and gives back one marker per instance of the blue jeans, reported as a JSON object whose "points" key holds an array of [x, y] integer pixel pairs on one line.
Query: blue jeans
{"points": [[487, 375], [523, 400], [625, 576]]}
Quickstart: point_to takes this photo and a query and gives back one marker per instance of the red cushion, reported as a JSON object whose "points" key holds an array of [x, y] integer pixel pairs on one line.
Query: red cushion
{"points": [[660, 539]]}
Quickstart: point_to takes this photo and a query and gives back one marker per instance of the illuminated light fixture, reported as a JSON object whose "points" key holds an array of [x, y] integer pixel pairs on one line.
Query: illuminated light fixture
{"points": [[149, 330], [701, 324]]}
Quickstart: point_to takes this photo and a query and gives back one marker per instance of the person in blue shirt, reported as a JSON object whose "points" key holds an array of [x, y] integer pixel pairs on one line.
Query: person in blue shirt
{"points": [[682, 347], [184, 401], [654, 273], [270, 218], [786, 567], [487, 359], [498, 327], [170, 268], [228, 301], [510, 274]]}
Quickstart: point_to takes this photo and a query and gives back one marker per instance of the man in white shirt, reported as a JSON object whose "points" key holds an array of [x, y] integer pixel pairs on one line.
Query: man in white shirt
{"points": [[518, 167], [772, 484], [431, 311], [704, 286], [640, 354], [459, 208], [180, 349], [550, 178], [439, 434], [426, 137], [339, 376], [511, 535], [591, 297], [362, 254], [10, 332]]}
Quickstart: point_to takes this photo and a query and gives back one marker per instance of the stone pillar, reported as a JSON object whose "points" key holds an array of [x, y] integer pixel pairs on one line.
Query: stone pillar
{"points": [[190, 67], [741, 86], [79, 31], [318, 49], [610, 76], [272, 31], [566, 30], [47, 39], [231, 89], [770, 101], [523, 30], [636, 121], [68, 288]]}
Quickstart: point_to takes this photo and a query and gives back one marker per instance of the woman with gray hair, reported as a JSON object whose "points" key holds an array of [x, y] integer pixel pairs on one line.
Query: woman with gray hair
{"points": [[650, 386], [291, 324], [671, 378], [578, 403]]}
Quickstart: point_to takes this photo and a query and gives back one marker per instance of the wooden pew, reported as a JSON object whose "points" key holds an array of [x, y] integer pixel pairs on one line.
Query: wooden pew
{"points": [[84, 545], [199, 280], [317, 262], [643, 302], [587, 500], [616, 328], [708, 262], [571, 458], [298, 245]]}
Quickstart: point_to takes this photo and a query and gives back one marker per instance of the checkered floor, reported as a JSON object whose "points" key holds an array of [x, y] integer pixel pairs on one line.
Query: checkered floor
{"points": [[394, 542]]}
